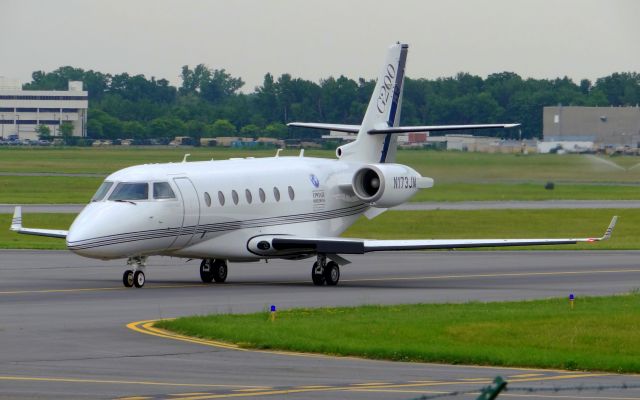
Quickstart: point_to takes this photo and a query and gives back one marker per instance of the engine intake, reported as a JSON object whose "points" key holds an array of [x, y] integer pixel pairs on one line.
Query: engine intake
{"points": [[387, 185]]}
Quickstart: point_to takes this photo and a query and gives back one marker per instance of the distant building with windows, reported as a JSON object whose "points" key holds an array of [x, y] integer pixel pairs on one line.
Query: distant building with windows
{"points": [[603, 126], [21, 111]]}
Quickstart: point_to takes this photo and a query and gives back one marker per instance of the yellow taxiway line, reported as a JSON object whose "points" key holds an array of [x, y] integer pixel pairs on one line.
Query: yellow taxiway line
{"points": [[373, 387], [383, 279], [147, 328]]}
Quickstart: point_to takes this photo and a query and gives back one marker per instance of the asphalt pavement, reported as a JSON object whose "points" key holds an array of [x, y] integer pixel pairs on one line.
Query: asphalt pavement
{"points": [[64, 325]]}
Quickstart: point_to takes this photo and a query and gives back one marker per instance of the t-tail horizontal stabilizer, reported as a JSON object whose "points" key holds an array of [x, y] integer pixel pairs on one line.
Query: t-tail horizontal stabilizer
{"points": [[16, 226], [436, 128], [398, 129]]}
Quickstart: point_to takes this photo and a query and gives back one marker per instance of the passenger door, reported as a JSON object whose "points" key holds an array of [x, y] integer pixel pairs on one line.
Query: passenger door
{"points": [[191, 211]]}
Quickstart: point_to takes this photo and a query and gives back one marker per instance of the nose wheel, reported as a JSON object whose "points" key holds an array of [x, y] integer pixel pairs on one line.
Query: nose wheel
{"points": [[135, 277]]}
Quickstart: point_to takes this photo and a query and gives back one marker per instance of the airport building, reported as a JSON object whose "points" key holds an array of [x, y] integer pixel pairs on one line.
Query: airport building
{"points": [[602, 126], [21, 111]]}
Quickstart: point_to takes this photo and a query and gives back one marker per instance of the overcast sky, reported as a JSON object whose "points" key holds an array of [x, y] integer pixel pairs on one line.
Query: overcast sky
{"points": [[314, 39]]}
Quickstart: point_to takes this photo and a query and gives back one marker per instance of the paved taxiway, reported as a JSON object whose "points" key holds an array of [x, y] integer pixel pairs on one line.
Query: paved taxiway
{"points": [[63, 324]]}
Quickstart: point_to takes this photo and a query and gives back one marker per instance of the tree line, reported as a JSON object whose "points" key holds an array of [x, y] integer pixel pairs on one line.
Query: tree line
{"points": [[209, 103]]}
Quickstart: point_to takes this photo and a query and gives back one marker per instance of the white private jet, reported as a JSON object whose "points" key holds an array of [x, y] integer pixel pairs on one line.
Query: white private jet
{"points": [[259, 209]]}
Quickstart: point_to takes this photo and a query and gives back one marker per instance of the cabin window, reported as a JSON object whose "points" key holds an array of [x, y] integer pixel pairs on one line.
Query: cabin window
{"points": [[263, 196], [102, 191], [247, 193], [276, 193], [130, 191], [207, 199], [221, 198], [234, 196], [162, 190], [291, 193]]}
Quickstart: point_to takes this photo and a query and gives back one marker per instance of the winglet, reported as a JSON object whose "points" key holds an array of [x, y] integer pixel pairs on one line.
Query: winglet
{"points": [[609, 231], [16, 221]]}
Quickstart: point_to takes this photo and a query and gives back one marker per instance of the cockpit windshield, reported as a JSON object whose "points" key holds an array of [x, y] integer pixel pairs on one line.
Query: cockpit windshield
{"points": [[102, 191], [130, 191]]}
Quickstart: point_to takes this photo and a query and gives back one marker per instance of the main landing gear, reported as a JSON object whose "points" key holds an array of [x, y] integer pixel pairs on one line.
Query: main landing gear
{"points": [[325, 272], [136, 276], [212, 269]]}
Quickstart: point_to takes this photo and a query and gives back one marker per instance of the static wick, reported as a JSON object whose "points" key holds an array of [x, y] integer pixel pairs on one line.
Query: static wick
{"points": [[272, 314]]}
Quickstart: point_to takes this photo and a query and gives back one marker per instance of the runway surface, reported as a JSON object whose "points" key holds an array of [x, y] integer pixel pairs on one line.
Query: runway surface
{"points": [[423, 206], [64, 334]]}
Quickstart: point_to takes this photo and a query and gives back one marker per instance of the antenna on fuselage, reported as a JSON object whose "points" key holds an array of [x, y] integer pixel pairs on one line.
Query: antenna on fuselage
{"points": [[278, 153], [185, 157], [301, 153]]}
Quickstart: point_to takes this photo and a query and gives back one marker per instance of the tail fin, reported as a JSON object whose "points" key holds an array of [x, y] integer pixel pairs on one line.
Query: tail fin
{"points": [[383, 112], [377, 138]]}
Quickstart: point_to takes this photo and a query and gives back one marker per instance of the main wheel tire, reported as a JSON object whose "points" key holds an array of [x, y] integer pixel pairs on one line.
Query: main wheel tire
{"points": [[205, 271], [138, 279], [219, 271], [331, 273], [317, 279], [127, 278]]}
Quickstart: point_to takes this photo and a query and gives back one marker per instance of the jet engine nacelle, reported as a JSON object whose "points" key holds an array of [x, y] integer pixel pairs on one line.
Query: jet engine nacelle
{"points": [[387, 185]]}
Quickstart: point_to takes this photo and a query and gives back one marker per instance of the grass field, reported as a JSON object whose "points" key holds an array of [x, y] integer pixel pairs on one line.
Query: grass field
{"points": [[12, 240], [439, 224], [442, 166], [515, 168], [47, 189], [78, 190], [601, 334], [106, 160], [459, 176], [526, 191], [477, 224]]}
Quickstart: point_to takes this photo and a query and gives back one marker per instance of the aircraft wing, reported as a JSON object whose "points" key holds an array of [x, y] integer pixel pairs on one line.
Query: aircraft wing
{"points": [[16, 226], [361, 246]]}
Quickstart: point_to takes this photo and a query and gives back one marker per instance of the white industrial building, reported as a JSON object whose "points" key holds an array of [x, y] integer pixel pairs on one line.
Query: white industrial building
{"points": [[21, 111]]}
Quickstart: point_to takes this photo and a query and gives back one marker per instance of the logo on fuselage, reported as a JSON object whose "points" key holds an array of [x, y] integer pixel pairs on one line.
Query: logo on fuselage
{"points": [[314, 180]]}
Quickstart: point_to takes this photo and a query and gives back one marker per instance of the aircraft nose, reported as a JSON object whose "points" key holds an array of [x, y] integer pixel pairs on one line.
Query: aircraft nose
{"points": [[83, 235], [78, 238]]}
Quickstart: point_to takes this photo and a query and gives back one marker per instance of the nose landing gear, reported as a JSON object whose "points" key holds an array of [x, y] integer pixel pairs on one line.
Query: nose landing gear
{"points": [[136, 276], [212, 269]]}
